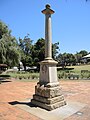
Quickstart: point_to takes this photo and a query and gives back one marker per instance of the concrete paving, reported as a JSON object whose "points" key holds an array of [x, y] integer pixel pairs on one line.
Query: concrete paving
{"points": [[57, 114], [14, 93]]}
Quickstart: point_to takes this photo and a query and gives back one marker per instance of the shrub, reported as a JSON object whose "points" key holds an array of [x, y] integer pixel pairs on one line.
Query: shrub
{"points": [[62, 75], [85, 75]]}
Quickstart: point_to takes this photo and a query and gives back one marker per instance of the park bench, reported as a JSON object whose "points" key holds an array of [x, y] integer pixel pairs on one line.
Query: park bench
{"points": [[3, 77], [73, 76]]}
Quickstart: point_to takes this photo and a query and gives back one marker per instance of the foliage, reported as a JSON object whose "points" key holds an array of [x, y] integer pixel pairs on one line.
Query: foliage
{"points": [[79, 55], [55, 50], [9, 50], [26, 51], [3, 29], [31, 54], [70, 59], [83, 52], [38, 53], [21, 75], [66, 59]]}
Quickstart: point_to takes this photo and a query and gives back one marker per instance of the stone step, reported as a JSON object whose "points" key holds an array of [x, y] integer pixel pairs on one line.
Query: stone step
{"points": [[48, 106], [48, 100]]}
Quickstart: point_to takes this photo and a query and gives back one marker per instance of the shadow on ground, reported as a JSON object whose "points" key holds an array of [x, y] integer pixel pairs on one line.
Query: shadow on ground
{"points": [[4, 81], [22, 103]]}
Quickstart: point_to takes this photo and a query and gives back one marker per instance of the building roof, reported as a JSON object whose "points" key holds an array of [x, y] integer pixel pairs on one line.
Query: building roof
{"points": [[87, 56]]}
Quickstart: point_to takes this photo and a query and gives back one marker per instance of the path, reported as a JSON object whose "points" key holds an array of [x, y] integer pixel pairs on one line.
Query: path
{"points": [[13, 90]]}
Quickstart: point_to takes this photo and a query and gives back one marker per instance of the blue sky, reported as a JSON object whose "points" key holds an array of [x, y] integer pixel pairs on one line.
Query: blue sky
{"points": [[70, 23]]}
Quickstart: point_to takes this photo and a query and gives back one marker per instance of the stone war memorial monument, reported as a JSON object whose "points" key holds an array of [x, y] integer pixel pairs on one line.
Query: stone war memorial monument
{"points": [[48, 94]]}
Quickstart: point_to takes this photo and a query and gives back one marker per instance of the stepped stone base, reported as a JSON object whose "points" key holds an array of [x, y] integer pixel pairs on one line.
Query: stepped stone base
{"points": [[48, 97]]}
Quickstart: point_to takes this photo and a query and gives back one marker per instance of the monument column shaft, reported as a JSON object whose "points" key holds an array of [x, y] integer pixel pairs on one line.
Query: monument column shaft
{"points": [[48, 93], [48, 37]]}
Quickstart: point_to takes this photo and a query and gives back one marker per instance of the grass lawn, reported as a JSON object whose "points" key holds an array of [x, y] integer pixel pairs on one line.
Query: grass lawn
{"points": [[21, 75], [77, 69], [62, 74]]}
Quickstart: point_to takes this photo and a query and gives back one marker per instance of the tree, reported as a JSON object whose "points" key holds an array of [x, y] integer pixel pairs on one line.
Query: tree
{"points": [[79, 55], [3, 29], [66, 59], [39, 49], [55, 49], [38, 52], [26, 51], [9, 50], [83, 52]]}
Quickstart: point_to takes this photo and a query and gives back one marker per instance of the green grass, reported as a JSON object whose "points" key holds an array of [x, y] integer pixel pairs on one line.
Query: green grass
{"points": [[62, 74], [79, 80], [23, 75], [77, 69]]}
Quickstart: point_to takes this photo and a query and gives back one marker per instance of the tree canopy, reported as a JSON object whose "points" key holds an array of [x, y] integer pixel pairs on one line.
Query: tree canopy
{"points": [[12, 52], [9, 50], [26, 51], [70, 59]]}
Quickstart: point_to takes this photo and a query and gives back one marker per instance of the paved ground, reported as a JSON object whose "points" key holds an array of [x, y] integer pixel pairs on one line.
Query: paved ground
{"points": [[12, 90]]}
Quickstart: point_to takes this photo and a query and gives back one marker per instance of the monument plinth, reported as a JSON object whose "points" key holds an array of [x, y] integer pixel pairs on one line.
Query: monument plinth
{"points": [[48, 93]]}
